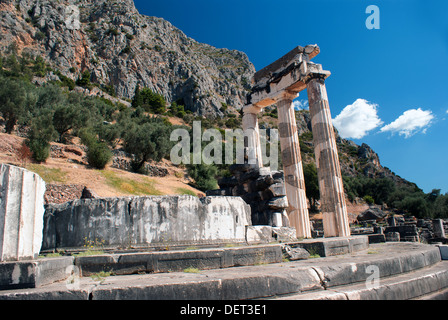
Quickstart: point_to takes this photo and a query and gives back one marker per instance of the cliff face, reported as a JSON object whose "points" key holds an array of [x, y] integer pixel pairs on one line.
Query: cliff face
{"points": [[123, 48]]}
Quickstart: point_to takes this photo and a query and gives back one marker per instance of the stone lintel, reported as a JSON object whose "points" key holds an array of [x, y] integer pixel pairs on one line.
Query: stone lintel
{"points": [[297, 53], [293, 79]]}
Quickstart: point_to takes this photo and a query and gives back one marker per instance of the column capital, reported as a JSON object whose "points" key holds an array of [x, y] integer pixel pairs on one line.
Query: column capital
{"points": [[254, 109], [287, 95], [324, 74]]}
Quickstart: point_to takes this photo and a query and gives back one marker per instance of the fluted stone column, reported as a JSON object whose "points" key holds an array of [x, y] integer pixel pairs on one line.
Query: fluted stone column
{"points": [[252, 133], [335, 219], [292, 166], [21, 213]]}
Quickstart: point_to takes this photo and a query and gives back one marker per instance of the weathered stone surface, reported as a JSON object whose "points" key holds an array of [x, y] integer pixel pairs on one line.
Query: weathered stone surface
{"points": [[284, 234], [392, 236], [259, 234], [335, 218], [262, 189], [292, 166], [171, 261], [373, 213], [21, 213], [277, 190], [34, 274], [293, 254], [278, 203], [439, 231], [142, 221], [376, 238]]}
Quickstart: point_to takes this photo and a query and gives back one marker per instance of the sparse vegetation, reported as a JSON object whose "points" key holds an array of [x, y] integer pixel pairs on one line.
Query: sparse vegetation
{"points": [[100, 276], [49, 175], [140, 188], [186, 191]]}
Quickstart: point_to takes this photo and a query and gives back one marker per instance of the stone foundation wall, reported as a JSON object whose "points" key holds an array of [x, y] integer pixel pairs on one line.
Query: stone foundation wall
{"points": [[60, 193], [134, 222]]}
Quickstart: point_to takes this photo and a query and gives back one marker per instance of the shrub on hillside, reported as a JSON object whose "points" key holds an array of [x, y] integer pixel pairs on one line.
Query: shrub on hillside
{"points": [[147, 141], [40, 135], [98, 155]]}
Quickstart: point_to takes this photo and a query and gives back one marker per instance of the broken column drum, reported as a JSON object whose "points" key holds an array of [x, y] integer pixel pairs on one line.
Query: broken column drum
{"points": [[279, 83], [21, 213]]}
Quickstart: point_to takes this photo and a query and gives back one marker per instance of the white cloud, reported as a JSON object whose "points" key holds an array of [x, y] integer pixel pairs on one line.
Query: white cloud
{"points": [[357, 119], [300, 104], [410, 122]]}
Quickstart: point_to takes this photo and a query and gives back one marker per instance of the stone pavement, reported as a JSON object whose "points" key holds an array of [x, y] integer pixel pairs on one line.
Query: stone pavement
{"points": [[383, 271]]}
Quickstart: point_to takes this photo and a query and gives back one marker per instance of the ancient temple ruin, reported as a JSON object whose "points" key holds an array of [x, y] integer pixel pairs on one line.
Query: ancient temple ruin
{"points": [[280, 83]]}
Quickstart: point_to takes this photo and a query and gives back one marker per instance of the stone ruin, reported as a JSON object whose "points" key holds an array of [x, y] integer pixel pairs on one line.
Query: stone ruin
{"points": [[29, 227], [380, 227], [280, 83], [21, 213], [262, 189]]}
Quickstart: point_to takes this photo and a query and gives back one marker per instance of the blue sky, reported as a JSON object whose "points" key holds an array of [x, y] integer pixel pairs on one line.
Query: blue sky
{"points": [[389, 86]]}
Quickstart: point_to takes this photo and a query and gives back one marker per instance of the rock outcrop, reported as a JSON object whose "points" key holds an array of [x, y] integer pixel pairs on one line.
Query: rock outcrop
{"points": [[122, 48]]}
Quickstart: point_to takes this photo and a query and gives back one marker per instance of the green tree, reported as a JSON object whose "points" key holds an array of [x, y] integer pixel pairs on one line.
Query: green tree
{"points": [[311, 184], [204, 176], [66, 118], [39, 67], [138, 99], [17, 99], [440, 209], [148, 141], [149, 100], [84, 80], [98, 154], [49, 96], [40, 134]]}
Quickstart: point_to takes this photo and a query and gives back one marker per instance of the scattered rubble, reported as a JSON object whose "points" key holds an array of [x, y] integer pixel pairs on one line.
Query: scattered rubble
{"points": [[262, 189]]}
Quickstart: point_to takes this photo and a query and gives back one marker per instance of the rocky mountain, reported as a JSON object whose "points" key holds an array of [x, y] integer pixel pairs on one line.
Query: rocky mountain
{"points": [[122, 49]]}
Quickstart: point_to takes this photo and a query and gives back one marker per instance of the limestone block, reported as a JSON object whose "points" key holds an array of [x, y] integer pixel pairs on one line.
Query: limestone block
{"points": [[277, 190], [392, 236], [284, 234], [144, 221], [439, 232], [21, 213], [278, 203], [294, 254], [259, 234], [276, 219]]}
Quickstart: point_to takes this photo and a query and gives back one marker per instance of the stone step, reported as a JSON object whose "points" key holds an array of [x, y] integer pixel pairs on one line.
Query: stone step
{"points": [[427, 283], [29, 274], [391, 261], [34, 273]]}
